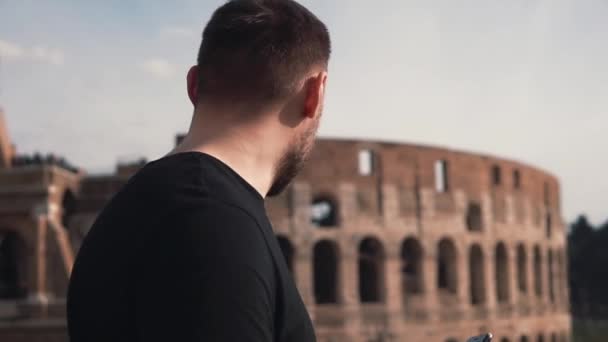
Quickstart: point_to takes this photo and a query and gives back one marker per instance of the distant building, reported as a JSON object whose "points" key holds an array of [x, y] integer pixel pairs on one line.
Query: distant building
{"points": [[387, 242]]}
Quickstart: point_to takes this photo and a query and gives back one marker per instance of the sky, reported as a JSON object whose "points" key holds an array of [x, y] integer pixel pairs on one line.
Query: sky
{"points": [[102, 81]]}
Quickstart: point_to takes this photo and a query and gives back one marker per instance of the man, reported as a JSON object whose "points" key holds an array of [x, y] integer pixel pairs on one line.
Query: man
{"points": [[185, 252]]}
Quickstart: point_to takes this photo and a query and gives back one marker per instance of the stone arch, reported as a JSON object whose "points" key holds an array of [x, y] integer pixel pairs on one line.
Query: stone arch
{"points": [[325, 211], [538, 280], [371, 270], [501, 274], [325, 264], [288, 251], [522, 269], [412, 256], [447, 266], [474, 217], [550, 280], [477, 275], [13, 266]]}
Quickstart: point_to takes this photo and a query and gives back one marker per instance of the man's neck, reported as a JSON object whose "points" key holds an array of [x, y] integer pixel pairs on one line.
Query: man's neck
{"points": [[249, 151]]}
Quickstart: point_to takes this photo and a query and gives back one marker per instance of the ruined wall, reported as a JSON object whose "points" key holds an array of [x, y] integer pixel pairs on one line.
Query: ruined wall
{"points": [[387, 242]]}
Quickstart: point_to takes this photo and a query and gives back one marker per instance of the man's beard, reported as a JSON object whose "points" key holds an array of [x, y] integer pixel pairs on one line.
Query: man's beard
{"points": [[293, 160]]}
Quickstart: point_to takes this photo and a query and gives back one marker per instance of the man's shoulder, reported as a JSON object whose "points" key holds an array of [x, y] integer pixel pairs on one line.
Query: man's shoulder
{"points": [[223, 229]]}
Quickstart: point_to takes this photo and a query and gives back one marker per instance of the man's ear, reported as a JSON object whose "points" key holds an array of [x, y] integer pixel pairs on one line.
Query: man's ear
{"points": [[192, 84], [315, 92]]}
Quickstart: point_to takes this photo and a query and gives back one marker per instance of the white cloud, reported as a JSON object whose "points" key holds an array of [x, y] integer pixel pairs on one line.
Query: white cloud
{"points": [[49, 55], [13, 51], [176, 31], [10, 50], [158, 67]]}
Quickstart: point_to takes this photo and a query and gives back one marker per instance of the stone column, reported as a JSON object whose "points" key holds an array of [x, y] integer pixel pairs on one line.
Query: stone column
{"points": [[464, 278], [429, 273], [513, 273], [36, 303], [349, 268], [489, 268], [394, 295], [304, 275]]}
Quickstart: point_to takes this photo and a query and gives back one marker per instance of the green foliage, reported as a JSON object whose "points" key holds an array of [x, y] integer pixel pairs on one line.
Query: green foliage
{"points": [[588, 268]]}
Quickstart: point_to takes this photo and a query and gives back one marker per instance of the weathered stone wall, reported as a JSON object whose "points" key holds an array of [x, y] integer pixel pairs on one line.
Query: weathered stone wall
{"points": [[388, 224]]}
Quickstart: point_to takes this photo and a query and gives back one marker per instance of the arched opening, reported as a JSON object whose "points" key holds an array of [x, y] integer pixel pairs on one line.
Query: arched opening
{"points": [[550, 281], [326, 272], [474, 217], [538, 280], [524, 339], [477, 276], [504, 339], [540, 338], [522, 274], [68, 207], [447, 276], [371, 271], [12, 250], [288, 251], [554, 337], [324, 212], [411, 259], [501, 263], [451, 340]]}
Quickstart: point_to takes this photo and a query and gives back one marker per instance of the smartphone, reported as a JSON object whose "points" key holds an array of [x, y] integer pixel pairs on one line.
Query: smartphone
{"points": [[481, 338]]}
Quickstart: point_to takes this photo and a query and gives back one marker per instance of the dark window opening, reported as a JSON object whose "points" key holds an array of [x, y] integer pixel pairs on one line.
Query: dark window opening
{"points": [[502, 273], [477, 276], [447, 278], [371, 271], [549, 225], [540, 338], [326, 272], [69, 207], [522, 274], [538, 283], [496, 175], [411, 259], [324, 212], [474, 218], [11, 277], [516, 179]]}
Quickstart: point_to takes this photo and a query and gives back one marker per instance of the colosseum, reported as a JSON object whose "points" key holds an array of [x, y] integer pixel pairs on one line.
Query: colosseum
{"points": [[386, 242]]}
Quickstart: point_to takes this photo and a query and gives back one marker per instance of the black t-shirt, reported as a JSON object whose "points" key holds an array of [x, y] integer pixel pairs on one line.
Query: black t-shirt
{"points": [[184, 252]]}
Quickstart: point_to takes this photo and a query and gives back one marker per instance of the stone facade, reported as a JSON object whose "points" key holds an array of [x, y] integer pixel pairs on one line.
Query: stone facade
{"points": [[387, 242]]}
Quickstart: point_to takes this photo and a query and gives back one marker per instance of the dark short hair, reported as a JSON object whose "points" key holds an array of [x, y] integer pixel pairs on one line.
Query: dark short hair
{"points": [[257, 50]]}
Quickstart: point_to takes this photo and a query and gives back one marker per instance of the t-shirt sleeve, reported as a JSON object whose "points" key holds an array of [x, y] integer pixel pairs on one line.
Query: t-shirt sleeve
{"points": [[209, 278]]}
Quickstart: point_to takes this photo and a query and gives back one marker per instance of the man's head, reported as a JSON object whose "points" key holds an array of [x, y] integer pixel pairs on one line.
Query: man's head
{"points": [[266, 55]]}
